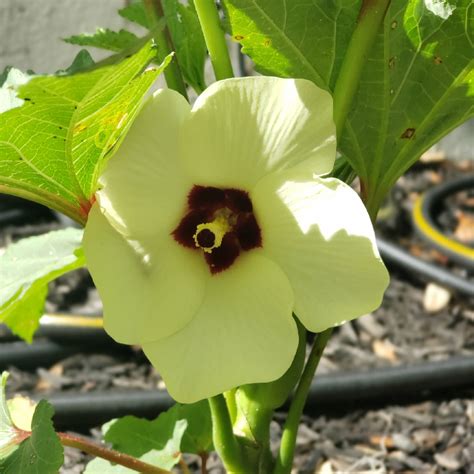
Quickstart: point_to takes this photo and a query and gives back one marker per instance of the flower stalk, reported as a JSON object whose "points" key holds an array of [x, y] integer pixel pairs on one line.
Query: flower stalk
{"points": [[225, 442], [288, 440], [215, 38]]}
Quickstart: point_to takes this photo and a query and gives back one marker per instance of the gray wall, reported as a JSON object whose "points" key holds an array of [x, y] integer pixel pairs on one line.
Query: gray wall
{"points": [[31, 30]]}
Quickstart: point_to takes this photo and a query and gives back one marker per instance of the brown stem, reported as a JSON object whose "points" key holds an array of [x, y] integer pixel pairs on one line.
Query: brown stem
{"points": [[111, 455], [204, 457]]}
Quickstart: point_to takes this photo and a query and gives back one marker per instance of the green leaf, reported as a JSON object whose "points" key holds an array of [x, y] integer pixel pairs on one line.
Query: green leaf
{"points": [[415, 88], [416, 84], [137, 436], [188, 40], [26, 268], [135, 13], [53, 147], [106, 113], [41, 452], [294, 39], [81, 62], [105, 39], [198, 436], [186, 33], [8, 431], [128, 434]]}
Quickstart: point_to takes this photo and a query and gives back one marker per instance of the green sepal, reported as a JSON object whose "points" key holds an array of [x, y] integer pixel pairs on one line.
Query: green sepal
{"points": [[256, 403], [272, 395]]}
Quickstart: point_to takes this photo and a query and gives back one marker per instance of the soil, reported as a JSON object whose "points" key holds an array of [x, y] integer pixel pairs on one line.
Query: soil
{"points": [[416, 322]]}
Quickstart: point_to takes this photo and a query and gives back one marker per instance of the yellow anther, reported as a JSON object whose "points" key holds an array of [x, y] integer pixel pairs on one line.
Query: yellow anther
{"points": [[209, 235]]}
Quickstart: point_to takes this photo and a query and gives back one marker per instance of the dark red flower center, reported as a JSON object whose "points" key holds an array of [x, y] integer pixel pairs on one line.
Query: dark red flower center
{"points": [[220, 223]]}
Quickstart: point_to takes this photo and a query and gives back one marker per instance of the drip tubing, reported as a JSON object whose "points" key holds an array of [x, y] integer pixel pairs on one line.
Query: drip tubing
{"points": [[44, 353], [335, 393], [395, 255]]}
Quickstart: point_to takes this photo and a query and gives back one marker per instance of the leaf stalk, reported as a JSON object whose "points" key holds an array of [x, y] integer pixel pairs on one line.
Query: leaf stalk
{"points": [[370, 18], [215, 38], [110, 455]]}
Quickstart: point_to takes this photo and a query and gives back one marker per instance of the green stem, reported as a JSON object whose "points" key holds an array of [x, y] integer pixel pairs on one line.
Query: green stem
{"points": [[173, 76], [215, 38], [370, 18], [288, 440], [231, 404], [225, 442], [111, 455]]}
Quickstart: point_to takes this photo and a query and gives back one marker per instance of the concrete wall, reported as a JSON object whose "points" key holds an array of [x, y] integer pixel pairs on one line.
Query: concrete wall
{"points": [[31, 30]]}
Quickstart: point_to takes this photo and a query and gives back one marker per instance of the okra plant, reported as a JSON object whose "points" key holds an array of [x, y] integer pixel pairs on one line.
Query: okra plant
{"points": [[220, 225]]}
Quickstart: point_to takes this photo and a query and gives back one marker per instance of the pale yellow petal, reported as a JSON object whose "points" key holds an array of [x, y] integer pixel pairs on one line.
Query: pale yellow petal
{"points": [[320, 234], [144, 188], [241, 129], [243, 333], [146, 295]]}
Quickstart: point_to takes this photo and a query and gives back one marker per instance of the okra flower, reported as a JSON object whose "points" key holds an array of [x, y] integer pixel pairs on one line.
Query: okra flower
{"points": [[214, 224]]}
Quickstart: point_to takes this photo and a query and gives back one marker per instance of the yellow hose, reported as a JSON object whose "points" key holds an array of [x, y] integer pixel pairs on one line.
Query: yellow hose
{"points": [[72, 320], [437, 237]]}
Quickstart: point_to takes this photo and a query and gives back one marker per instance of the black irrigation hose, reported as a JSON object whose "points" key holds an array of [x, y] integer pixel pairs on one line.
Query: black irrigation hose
{"points": [[336, 394], [66, 328], [428, 205], [44, 353], [11, 217], [15, 210], [29, 357], [395, 255]]}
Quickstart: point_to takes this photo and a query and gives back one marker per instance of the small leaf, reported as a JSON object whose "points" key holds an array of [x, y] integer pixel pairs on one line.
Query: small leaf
{"points": [[105, 39], [26, 268], [136, 436], [198, 435], [135, 13], [81, 62], [188, 40], [185, 30], [41, 452], [165, 457]]}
